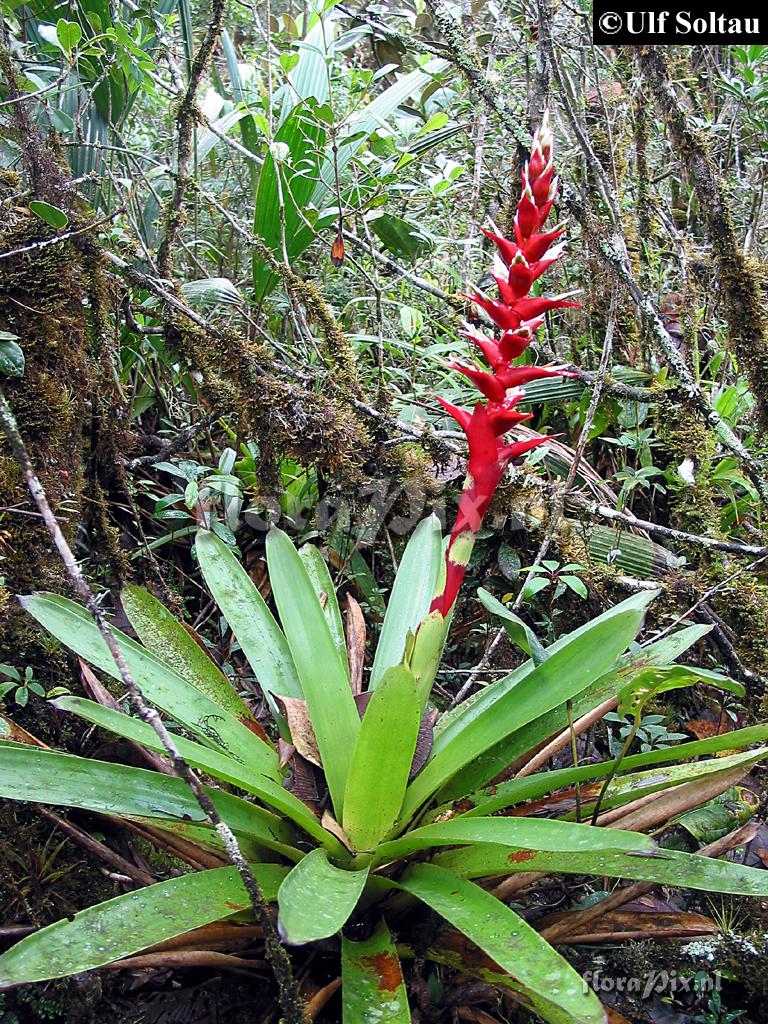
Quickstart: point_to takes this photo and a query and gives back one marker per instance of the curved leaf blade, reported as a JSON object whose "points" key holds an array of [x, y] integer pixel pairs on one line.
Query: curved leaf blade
{"points": [[382, 759], [318, 572], [128, 924], [211, 761], [316, 899], [525, 833], [50, 777], [488, 765], [160, 683], [261, 639], [324, 679], [506, 794], [411, 595], [516, 947], [667, 867], [163, 635], [573, 664]]}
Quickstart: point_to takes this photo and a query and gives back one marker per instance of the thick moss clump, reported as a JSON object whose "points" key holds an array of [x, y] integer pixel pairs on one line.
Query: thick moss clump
{"points": [[41, 301], [684, 437], [286, 418]]}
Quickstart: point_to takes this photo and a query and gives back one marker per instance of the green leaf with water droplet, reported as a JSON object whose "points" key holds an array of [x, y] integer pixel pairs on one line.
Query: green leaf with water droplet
{"points": [[510, 942], [128, 924], [11, 359], [373, 990]]}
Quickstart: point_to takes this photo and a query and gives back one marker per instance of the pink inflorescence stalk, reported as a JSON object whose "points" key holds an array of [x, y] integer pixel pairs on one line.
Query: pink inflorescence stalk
{"points": [[518, 315]]}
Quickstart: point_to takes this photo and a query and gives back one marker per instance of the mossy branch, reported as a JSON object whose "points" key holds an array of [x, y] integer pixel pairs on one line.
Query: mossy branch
{"points": [[186, 117], [738, 276]]}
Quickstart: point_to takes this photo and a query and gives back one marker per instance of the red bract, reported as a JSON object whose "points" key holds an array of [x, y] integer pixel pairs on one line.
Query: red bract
{"points": [[518, 315]]}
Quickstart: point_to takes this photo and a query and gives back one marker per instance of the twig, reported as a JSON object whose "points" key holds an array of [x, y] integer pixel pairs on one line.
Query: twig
{"points": [[101, 850], [667, 532], [185, 124], [290, 999], [179, 443], [43, 243]]}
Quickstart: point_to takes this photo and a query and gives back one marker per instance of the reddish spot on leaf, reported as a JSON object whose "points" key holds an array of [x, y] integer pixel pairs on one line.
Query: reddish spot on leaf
{"points": [[387, 968], [518, 856]]}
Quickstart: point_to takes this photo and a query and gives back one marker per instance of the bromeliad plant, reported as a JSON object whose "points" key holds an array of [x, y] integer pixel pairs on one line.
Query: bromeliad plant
{"points": [[411, 817]]}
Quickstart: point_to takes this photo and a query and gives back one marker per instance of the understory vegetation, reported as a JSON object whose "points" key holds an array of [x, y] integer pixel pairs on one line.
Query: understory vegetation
{"points": [[383, 549]]}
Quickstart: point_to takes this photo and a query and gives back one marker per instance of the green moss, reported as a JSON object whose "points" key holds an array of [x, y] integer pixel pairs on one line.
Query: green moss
{"points": [[693, 506]]}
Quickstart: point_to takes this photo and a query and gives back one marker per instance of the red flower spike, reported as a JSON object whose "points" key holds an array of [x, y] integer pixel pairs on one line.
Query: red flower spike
{"points": [[487, 346], [507, 248], [527, 218], [518, 314], [520, 277], [536, 247]]}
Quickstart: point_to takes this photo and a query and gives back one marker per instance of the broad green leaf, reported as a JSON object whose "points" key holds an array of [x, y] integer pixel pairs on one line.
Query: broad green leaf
{"points": [[667, 867], [318, 572], [573, 664], [486, 766], [167, 638], [403, 238], [290, 182], [11, 358], [68, 34], [210, 761], [316, 899], [411, 595], [382, 759], [531, 787], [506, 938], [261, 639], [52, 215], [519, 632], [160, 683], [372, 986], [310, 76], [129, 924], [324, 679], [50, 777], [526, 833]]}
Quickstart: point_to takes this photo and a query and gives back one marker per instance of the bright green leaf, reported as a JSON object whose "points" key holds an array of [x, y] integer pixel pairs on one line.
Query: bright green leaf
{"points": [[130, 923], [382, 759], [316, 899], [52, 215]]}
